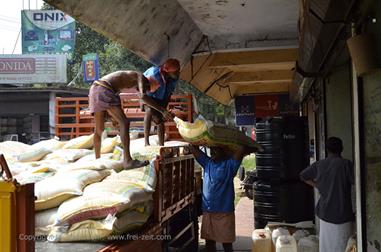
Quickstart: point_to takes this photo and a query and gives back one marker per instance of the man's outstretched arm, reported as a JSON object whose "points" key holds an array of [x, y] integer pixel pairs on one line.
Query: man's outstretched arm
{"points": [[142, 86], [200, 156], [153, 104], [195, 151]]}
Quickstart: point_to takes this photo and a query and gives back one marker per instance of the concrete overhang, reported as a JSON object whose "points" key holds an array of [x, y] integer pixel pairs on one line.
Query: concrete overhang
{"points": [[226, 47]]}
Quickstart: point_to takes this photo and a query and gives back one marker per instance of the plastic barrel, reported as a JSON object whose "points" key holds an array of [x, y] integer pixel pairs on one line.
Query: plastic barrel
{"points": [[282, 201], [269, 162]]}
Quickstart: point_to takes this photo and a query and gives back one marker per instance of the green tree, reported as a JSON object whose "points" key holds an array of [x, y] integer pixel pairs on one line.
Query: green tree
{"points": [[112, 56], [116, 57]]}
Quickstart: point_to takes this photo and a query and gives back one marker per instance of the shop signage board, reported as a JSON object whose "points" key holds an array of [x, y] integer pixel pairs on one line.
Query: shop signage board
{"points": [[90, 63], [30, 69], [251, 107], [245, 110], [266, 105], [47, 31]]}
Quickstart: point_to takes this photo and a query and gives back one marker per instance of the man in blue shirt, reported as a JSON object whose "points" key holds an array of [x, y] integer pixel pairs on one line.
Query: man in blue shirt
{"points": [[218, 220], [163, 81]]}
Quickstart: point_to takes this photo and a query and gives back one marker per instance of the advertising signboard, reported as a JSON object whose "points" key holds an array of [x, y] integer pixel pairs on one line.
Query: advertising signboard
{"points": [[249, 108], [30, 69], [47, 31], [90, 63], [244, 107], [267, 106]]}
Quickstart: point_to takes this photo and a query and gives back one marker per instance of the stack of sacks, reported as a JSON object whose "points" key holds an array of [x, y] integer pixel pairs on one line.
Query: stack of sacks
{"points": [[39, 150], [52, 191], [17, 168], [74, 168], [91, 157], [82, 142], [69, 155], [29, 169], [94, 230], [24, 160], [64, 174], [51, 144], [44, 221], [141, 152], [35, 154], [109, 144], [89, 162], [145, 153], [73, 150], [34, 174], [11, 148], [115, 201]]}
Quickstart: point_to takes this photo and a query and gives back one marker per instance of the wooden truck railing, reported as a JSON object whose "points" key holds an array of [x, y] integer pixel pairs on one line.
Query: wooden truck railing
{"points": [[72, 119], [175, 190]]}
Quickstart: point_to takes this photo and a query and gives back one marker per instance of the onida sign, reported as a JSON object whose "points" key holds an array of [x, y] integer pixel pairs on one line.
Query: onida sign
{"points": [[29, 69]]}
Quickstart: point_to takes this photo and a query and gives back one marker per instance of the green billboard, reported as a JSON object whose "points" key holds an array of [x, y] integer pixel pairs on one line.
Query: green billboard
{"points": [[47, 31]]}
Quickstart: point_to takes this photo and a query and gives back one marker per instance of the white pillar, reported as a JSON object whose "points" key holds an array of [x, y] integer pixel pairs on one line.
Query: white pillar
{"points": [[52, 113]]}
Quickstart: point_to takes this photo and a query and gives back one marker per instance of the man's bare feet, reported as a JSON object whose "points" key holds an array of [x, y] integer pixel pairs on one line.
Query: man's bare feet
{"points": [[135, 164]]}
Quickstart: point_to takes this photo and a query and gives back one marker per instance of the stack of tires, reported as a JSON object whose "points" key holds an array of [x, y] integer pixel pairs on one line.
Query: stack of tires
{"points": [[279, 195]]}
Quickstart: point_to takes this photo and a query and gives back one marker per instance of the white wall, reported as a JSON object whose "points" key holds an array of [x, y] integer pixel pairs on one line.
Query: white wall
{"points": [[339, 108]]}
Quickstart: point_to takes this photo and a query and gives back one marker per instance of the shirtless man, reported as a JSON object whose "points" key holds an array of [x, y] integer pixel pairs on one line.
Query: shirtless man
{"points": [[104, 97]]}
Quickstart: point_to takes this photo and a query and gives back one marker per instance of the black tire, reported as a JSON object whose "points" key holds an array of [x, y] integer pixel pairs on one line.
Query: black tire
{"points": [[249, 193]]}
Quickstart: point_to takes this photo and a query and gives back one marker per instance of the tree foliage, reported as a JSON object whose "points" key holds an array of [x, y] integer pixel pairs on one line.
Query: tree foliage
{"points": [[112, 56]]}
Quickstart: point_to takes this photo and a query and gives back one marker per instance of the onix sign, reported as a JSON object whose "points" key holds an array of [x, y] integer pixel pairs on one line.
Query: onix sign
{"points": [[53, 16]]}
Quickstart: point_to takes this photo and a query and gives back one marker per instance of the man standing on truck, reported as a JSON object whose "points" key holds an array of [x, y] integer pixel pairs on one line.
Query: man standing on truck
{"points": [[104, 97], [218, 220], [163, 81]]}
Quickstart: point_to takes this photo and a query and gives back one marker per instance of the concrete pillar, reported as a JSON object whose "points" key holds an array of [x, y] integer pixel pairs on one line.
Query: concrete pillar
{"points": [[52, 113]]}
